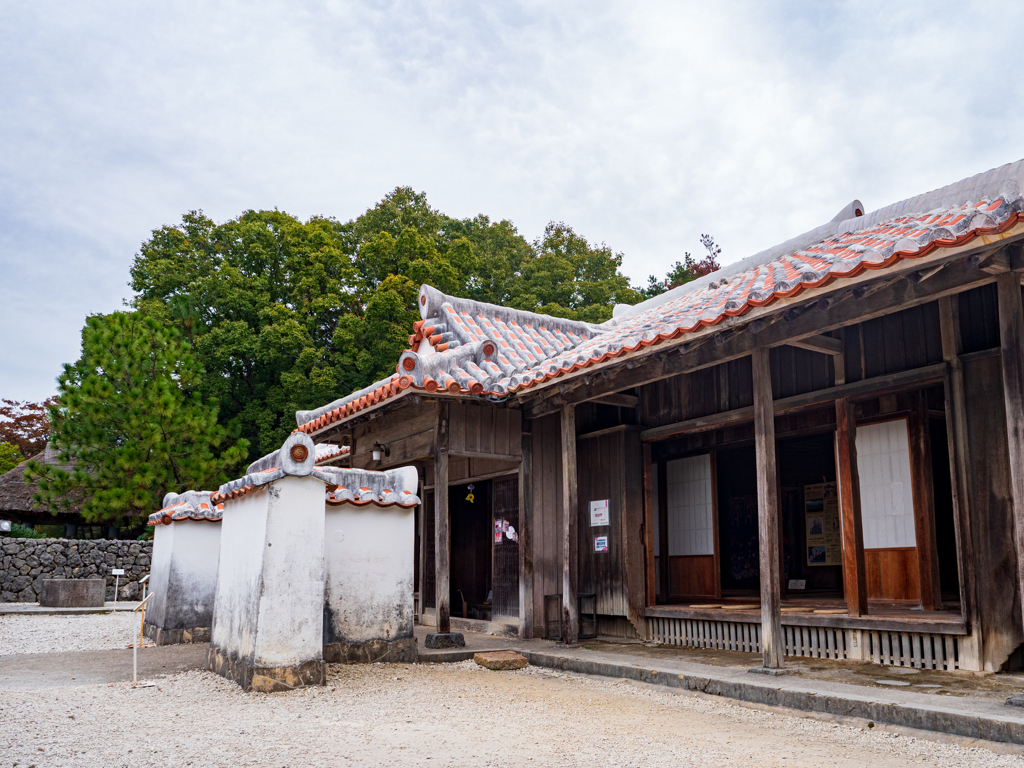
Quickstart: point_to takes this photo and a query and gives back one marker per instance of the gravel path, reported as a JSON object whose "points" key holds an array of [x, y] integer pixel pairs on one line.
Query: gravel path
{"points": [[52, 634], [435, 715]]}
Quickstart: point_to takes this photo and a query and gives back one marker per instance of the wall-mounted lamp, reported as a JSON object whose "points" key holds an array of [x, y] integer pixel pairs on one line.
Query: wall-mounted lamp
{"points": [[380, 450]]}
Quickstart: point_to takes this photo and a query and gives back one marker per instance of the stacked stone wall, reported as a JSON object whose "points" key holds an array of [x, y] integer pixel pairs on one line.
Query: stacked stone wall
{"points": [[26, 563]]}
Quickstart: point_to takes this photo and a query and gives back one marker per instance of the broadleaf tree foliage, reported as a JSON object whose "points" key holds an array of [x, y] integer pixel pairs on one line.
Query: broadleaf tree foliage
{"points": [[132, 420], [286, 315]]}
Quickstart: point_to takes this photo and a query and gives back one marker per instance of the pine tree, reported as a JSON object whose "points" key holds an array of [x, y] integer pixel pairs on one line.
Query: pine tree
{"points": [[130, 421]]}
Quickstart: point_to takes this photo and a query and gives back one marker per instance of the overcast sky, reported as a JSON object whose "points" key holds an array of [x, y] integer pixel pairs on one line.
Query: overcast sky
{"points": [[639, 124]]}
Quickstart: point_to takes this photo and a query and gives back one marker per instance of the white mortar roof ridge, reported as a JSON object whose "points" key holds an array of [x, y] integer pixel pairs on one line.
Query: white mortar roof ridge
{"points": [[190, 505]]}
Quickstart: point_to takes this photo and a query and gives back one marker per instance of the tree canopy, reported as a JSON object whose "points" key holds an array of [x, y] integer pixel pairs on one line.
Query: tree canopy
{"points": [[286, 315], [132, 421]]}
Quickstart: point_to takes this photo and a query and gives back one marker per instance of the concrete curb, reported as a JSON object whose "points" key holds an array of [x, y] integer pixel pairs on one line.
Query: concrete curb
{"points": [[34, 609], [792, 696]]}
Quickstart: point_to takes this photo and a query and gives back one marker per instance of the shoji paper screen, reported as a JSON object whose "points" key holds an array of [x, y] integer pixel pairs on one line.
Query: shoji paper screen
{"points": [[886, 493], [689, 506]]}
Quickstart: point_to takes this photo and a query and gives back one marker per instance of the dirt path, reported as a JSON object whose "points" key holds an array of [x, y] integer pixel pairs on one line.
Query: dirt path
{"points": [[433, 715]]}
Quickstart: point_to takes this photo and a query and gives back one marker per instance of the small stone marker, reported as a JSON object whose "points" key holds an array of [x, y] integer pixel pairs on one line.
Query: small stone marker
{"points": [[500, 660]]}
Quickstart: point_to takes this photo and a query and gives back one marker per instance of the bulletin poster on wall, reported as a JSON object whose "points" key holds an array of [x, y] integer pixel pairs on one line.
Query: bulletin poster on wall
{"points": [[821, 508]]}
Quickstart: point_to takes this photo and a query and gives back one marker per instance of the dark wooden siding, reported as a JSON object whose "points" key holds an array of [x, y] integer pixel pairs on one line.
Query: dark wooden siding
{"points": [[991, 509], [895, 342], [979, 318], [485, 429], [546, 536], [408, 432]]}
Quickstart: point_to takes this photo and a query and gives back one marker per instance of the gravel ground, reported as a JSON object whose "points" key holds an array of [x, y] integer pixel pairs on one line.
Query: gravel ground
{"points": [[435, 715], [52, 634]]}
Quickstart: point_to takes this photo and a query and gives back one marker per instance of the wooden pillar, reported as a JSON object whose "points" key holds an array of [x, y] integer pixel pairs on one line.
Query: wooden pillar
{"points": [[650, 577], [526, 534], [422, 575], [854, 578], [570, 516], [664, 577], [924, 503], [767, 511], [1011, 335], [443, 553], [956, 439]]}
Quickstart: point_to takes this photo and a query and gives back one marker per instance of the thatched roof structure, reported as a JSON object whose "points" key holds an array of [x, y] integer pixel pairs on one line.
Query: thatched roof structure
{"points": [[16, 495]]}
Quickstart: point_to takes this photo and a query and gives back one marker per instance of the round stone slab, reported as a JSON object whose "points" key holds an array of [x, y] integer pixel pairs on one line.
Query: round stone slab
{"points": [[500, 660]]}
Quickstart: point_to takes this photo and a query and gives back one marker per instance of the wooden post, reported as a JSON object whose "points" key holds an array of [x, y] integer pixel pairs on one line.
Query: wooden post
{"points": [[442, 557], [650, 580], [1011, 335], [570, 514], [924, 503], [664, 575], [767, 511], [526, 535], [854, 578], [423, 544], [956, 438]]}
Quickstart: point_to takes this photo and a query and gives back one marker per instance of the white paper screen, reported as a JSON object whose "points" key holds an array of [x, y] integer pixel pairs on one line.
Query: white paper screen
{"points": [[690, 518], [886, 493]]}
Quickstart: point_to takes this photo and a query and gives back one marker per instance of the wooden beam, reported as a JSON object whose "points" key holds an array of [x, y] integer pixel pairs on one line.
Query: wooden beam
{"points": [[1011, 335], [619, 399], [865, 387], [772, 641], [570, 516], [819, 343], [924, 503], [666, 360], [957, 443], [442, 531], [996, 263], [526, 535], [650, 580], [854, 572]]}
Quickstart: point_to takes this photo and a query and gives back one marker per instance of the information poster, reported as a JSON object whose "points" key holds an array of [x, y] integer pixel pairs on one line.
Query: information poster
{"points": [[600, 543], [824, 541], [599, 513]]}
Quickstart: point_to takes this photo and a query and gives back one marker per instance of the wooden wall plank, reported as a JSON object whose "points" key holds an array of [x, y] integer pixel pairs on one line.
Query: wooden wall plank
{"points": [[526, 519], [924, 502]]}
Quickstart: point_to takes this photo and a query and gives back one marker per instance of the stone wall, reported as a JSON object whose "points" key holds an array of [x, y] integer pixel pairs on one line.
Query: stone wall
{"points": [[26, 563]]}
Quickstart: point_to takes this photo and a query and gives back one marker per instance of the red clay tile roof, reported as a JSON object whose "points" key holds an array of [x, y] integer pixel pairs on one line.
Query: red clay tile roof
{"points": [[191, 505], [343, 486], [328, 452], [471, 348]]}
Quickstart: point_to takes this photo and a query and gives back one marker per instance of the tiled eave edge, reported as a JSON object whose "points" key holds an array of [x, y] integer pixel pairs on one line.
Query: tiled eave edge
{"points": [[900, 262], [257, 481], [899, 265]]}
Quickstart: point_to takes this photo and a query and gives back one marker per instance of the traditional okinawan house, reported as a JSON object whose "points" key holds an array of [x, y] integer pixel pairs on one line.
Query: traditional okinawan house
{"points": [[183, 576], [815, 451], [16, 494], [316, 563]]}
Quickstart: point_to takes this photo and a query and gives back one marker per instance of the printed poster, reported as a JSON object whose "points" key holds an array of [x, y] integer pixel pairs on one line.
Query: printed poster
{"points": [[821, 509], [599, 514]]}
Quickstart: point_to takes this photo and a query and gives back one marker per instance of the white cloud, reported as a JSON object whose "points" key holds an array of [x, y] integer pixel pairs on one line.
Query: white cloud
{"points": [[640, 124]]}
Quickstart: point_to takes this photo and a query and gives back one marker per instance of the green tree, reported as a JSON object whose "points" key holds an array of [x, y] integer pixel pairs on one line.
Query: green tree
{"points": [[131, 420], [286, 315], [10, 457], [686, 271]]}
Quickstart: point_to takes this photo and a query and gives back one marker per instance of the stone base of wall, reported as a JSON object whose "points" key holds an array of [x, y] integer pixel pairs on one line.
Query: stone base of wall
{"points": [[391, 651], [26, 563], [177, 636], [265, 679]]}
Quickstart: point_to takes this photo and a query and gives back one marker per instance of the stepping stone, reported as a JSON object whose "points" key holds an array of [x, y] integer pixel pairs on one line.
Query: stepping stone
{"points": [[499, 660], [435, 641], [835, 611]]}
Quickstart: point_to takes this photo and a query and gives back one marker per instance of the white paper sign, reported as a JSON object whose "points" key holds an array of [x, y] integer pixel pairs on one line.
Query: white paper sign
{"points": [[600, 543], [798, 583], [117, 571], [599, 514]]}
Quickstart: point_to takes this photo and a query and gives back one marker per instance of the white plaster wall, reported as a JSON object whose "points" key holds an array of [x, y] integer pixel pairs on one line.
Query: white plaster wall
{"points": [[195, 555], [236, 606], [291, 606], [159, 574], [369, 558]]}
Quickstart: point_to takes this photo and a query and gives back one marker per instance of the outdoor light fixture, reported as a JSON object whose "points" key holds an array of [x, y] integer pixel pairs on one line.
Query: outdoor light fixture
{"points": [[380, 450], [5, 526]]}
